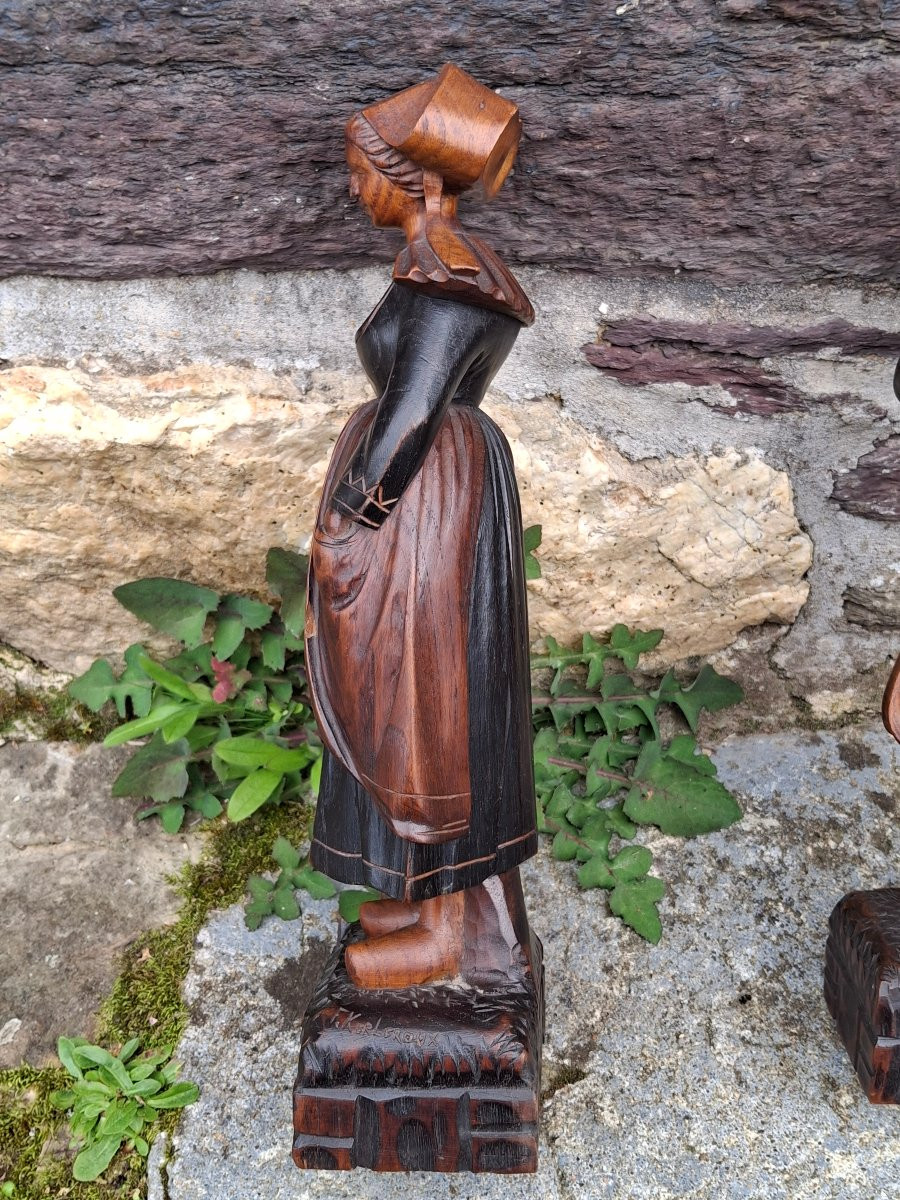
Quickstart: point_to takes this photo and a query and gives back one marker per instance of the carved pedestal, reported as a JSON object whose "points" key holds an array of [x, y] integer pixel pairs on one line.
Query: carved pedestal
{"points": [[444, 1077], [862, 987]]}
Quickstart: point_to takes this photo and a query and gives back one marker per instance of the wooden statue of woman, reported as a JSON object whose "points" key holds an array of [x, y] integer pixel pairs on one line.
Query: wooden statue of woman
{"points": [[417, 651], [417, 642]]}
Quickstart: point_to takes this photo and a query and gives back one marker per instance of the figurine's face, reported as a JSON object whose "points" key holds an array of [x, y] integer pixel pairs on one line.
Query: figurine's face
{"points": [[386, 204]]}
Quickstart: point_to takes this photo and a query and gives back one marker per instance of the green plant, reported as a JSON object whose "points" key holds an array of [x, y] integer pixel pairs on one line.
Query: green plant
{"points": [[114, 1098], [229, 719], [232, 728], [277, 897], [531, 539], [603, 767]]}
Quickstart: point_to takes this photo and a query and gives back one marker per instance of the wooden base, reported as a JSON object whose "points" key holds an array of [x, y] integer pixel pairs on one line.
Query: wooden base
{"points": [[862, 987], [444, 1077]]}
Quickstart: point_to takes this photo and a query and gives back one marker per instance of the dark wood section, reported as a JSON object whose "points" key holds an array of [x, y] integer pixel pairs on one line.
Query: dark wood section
{"points": [[437, 1078], [646, 350], [738, 140], [862, 987], [872, 488]]}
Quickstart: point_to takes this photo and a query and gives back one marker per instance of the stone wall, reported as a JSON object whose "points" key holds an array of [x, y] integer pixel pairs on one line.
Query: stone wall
{"points": [[704, 213], [748, 140], [182, 426]]}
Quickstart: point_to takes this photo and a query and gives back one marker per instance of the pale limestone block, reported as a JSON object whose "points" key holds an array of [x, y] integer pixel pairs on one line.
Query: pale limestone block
{"points": [[194, 473]]}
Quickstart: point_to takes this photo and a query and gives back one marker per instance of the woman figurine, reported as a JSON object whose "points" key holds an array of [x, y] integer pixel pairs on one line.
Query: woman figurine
{"points": [[417, 632]]}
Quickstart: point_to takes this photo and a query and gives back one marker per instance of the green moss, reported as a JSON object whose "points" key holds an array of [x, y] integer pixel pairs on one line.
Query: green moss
{"points": [[146, 998], [565, 1076], [53, 716], [145, 1002], [28, 1122]]}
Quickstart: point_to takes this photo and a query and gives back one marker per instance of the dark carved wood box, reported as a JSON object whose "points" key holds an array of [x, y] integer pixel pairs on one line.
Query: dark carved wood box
{"points": [[444, 1077], [862, 987]]}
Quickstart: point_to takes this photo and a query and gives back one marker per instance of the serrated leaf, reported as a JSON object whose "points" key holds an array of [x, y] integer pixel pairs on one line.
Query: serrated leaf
{"points": [[286, 576], [170, 605], [564, 848], [273, 651], [546, 744], [252, 792], [620, 690], [597, 786], [258, 887], [235, 615], [636, 903], [570, 700], [579, 812], [596, 873], [632, 862], [629, 645], [206, 804], [531, 538], [171, 816], [677, 798], [157, 770], [351, 900], [560, 801], [597, 830], [684, 747], [710, 691], [318, 885], [228, 636], [619, 823], [190, 665], [284, 904], [95, 1158], [285, 855], [95, 686]]}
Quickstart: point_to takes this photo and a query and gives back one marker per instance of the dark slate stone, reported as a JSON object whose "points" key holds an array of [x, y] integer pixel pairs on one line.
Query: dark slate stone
{"points": [[873, 607], [738, 140], [650, 350], [872, 488]]}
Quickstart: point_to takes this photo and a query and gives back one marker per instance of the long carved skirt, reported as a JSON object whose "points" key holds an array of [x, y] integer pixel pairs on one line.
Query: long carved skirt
{"points": [[417, 651]]}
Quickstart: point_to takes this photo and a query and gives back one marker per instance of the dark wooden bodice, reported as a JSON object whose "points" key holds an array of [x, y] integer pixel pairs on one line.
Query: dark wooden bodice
{"points": [[421, 353]]}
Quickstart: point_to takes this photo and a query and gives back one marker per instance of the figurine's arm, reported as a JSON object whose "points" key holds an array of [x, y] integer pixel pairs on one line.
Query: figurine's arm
{"points": [[437, 344]]}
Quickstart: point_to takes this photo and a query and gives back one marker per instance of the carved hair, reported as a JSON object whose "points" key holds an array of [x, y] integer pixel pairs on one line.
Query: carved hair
{"points": [[393, 165]]}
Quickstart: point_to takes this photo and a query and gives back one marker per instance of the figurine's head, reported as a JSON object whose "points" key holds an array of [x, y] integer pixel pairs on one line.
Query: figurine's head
{"points": [[386, 183], [431, 141]]}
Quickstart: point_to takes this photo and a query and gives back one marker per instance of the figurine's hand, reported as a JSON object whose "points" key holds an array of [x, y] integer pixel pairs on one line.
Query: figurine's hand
{"points": [[368, 507]]}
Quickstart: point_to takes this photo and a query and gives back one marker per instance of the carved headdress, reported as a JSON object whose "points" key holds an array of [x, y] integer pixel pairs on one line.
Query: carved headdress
{"points": [[436, 140]]}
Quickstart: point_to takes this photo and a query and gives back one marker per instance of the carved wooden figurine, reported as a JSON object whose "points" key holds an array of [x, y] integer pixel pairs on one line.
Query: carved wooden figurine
{"points": [[421, 1047], [862, 966]]}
